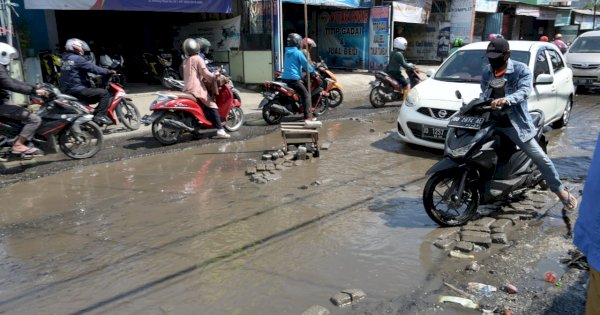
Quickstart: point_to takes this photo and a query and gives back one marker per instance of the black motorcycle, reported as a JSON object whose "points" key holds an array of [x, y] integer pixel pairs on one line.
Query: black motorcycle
{"points": [[479, 167], [281, 100], [66, 124], [159, 66]]}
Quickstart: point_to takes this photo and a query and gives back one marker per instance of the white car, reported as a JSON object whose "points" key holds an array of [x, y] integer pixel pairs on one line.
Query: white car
{"points": [[424, 116], [583, 57]]}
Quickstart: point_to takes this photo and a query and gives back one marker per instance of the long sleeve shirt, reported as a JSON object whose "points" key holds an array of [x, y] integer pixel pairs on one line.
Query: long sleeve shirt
{"points": [[294, 64], [195, 77], [74, 71]]}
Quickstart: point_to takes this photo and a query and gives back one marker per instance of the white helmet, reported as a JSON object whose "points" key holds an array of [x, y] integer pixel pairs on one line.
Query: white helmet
{"points": [[77, 45], [400, 43], [7, 53]]}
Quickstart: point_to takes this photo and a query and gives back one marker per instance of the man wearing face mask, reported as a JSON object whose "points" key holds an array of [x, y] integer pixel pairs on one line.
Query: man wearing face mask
{"points": [[513, 119]]}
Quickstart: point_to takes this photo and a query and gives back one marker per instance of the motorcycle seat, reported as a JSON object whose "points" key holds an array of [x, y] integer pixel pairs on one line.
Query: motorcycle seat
{"points": [[280, 84], [182, 95]]}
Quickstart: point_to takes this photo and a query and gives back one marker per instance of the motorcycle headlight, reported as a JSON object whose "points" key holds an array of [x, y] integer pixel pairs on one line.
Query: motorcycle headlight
{"points": [[459, 152], [413, 98]]}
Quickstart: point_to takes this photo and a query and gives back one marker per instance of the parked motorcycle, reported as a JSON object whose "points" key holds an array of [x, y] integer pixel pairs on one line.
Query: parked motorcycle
{"points": [[174, 113], [50, 66], [479, 167], [330, 84], [385, 89], [281, 100], [116, 63], [159, 67], [121, 108], [66, 124]]}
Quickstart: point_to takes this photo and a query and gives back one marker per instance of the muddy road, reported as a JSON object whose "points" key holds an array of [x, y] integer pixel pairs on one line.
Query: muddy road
{"points": [[143, 229]]}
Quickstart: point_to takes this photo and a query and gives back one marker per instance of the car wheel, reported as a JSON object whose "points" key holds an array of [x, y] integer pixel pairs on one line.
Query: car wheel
{"points": [[564, 120]]}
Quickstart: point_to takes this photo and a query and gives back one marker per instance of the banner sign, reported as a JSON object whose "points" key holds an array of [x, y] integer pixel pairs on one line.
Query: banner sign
{"points": [[563, 17], [379, 39], [585, 22], [529, 10], [335, 3], [489, 6], [344, 37], [461, 19], [428, 42], [547, 14], [223, 34], [204, 6], [411, 11]]}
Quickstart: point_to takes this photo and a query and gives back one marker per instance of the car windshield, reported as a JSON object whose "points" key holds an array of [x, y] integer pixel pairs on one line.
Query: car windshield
{"points": [[589, 44], [468, 65]]}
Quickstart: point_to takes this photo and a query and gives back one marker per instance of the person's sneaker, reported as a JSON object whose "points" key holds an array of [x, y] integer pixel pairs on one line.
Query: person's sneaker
{"points": [[221, 134], [311, 119], [102, 120]]}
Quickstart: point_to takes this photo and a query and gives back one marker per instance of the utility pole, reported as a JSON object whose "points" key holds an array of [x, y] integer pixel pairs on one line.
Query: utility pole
{"points": [[594, 18]]}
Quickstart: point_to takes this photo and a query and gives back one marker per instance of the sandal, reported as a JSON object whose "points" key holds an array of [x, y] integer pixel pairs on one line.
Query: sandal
{"points": [[30, 151], [570, 203]]}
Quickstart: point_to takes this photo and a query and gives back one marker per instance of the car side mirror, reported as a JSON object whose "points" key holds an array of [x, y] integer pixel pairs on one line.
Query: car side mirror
{"points": [[429, 73], [544, 78]]}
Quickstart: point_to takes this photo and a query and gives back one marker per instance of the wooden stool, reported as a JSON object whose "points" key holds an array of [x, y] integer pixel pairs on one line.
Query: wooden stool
{"points": [[301, 133]]}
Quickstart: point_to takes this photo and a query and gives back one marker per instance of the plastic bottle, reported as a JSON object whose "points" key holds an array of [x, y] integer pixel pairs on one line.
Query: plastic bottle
{"points": [[483, 288], [458, 254], [552, 278]]}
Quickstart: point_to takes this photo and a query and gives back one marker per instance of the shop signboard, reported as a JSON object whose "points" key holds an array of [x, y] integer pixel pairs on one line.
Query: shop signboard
{"points": [[547, 14], [563, 17], [411, 11], [212, 6], [335, 3], [223, 34], [528, 10], [462, 14], [429, 42], [585, 21], [343, 38], [489, 6], [379, 38], [569, 33]]}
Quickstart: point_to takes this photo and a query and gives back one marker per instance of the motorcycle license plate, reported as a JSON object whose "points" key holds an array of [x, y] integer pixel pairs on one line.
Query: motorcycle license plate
{"points": [[434, 132], [466, 122]]}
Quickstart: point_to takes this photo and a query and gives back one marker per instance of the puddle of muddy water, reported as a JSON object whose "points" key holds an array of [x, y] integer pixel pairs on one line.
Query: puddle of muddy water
{"points": [[188, 231]]}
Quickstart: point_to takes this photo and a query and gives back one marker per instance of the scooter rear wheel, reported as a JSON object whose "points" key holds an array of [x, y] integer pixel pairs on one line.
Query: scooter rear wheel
{"points": [[235, 119], [439, 204], [84, 145], [335, 98], [270, 116], [163, 134], [376, 97]]}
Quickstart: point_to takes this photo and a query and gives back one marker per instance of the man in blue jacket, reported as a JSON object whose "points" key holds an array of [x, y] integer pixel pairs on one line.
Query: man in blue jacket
{"points": [[294, 65], [587, 227], [74, 80]]}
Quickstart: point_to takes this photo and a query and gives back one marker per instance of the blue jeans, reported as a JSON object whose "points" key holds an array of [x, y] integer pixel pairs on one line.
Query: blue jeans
{"points": [[539, 157]]}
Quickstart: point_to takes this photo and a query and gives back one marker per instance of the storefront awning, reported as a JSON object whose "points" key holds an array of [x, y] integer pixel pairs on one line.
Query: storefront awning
{"points": [[585, 19], [335, 3], [411, 11], [204, 6]]}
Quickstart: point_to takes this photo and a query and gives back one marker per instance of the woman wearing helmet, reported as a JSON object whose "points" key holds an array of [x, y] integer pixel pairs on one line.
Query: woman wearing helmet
{"points": [[195, 76], [397, 62], [74, 80], [458, 42], [294, 65], [12, 111]]}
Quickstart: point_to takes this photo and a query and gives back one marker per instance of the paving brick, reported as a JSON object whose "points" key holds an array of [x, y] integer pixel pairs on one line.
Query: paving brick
{"points": [[444, 243], [487, 221], [464, 246], [316, 310], [476, 237], [341, 299], [499, 238], [476, 228]]}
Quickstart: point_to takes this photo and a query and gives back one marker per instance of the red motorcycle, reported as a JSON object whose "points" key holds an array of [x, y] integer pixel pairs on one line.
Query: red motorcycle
{"points": [[121, 108], [385, 89], [175, 113], [281, 100]]}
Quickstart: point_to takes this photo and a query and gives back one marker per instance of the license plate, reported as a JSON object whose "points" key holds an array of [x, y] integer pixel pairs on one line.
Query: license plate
{"points": [[584, 81], [434, 132], [466, 122]]}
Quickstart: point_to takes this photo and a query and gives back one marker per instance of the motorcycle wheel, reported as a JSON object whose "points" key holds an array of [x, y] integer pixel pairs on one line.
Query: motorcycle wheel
{"points": [[321, 107], [335, 98], [85, 146], [376, 97], [165, 135], [269, 116], [129, 115], [169, 73], [445, 212], [235, 119]]}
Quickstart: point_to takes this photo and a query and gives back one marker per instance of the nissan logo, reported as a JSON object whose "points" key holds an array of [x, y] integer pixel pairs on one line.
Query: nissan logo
{"points": [[442, 113]]}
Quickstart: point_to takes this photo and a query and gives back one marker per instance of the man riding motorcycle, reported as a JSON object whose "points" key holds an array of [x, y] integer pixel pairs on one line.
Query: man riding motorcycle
{"points": [[294, 65], [514, 120], [397, 62], [12, 111], [74, 78]]}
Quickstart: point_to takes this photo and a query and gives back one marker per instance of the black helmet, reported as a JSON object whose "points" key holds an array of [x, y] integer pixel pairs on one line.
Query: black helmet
{"points": [[294, 40], [190, 47], [204, 44]]}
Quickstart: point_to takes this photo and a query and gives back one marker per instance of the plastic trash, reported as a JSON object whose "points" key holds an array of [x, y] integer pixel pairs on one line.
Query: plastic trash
{"points": [[462, 301], [552, 278], [458, 254], [483, 288]]}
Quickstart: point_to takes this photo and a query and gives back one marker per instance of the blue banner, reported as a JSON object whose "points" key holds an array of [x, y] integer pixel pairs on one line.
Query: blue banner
{"points": [[379, 42], [335, 3], [344, 38], [200, 6]]}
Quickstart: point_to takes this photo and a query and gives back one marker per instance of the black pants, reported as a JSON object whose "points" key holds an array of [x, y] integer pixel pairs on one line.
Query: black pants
{"points": [[299, 87], [29, 119], [91, 95], [212, 114]]}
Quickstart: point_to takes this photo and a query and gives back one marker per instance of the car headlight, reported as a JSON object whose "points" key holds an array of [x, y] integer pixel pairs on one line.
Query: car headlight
{"points": [[459, 152], [413, 98]]}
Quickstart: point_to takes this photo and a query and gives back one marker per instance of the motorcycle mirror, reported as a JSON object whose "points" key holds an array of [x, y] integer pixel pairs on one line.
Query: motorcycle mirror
{"points": [[458, 95]]}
